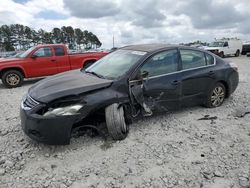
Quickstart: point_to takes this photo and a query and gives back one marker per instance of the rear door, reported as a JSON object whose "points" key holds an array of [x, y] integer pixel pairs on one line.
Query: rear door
{"points": [[61, 59], [43, 62], [162, 88], [198, 75]]}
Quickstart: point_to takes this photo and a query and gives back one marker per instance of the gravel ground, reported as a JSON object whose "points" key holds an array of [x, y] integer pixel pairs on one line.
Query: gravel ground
{"points": [[169, 150]]}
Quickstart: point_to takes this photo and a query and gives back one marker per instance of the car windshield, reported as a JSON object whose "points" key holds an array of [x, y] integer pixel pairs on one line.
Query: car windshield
{"points": [[26, 53], [216, 44], [115, 64]]}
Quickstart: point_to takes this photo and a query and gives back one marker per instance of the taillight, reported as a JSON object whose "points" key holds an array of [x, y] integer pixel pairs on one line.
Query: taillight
{"points": [[234, 66]]}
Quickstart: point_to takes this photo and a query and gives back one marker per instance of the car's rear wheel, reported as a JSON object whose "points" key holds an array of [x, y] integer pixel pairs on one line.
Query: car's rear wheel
{"points": [[216, 96], [12, 78], [237, 53], [115, 120]]}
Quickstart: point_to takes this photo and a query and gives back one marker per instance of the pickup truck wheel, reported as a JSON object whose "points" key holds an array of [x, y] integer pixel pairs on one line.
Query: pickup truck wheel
{"points": [[12, 78], [216, 96], [115, 121], [237, 53]]}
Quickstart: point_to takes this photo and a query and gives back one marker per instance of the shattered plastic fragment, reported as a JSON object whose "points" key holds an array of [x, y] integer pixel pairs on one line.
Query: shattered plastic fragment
{"points": [[137, 92]]}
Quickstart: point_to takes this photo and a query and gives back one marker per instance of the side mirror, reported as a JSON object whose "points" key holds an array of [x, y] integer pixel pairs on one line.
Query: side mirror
{"points": [[140, 76], [34, 56], [144, 74]]}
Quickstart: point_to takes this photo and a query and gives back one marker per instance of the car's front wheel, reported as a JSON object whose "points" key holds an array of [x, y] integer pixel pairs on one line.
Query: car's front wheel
{"points": [[12, 78], [115, 120], [216, 96]]}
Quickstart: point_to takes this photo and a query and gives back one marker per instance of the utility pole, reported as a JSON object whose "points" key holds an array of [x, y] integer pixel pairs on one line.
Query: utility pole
{"points": [[113, 41]]}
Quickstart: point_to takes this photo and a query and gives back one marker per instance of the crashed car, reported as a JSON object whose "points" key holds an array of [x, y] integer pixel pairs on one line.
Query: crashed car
{"points": [[138, 80]]}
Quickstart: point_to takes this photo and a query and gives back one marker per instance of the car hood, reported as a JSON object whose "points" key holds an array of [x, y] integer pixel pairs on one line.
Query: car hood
{"points": [[66, 84], [8, 60]]}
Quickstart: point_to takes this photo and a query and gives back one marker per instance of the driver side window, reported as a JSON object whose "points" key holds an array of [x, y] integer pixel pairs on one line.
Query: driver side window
{"points": [[161, 63], [43, 52]]}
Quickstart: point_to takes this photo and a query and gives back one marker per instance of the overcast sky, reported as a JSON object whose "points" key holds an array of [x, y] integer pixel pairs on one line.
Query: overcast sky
{"points": [[136, 21]]}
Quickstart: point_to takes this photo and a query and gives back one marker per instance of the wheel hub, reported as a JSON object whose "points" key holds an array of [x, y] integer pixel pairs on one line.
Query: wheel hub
{"points": [[12, 79], [218, 96]]}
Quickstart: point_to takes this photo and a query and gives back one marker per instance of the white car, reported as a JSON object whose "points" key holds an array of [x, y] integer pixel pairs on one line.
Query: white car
{"points": [[226, 47]]}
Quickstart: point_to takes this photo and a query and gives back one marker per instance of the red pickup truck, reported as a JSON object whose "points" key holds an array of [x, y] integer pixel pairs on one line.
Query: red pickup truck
{"points": [[43, 60]]}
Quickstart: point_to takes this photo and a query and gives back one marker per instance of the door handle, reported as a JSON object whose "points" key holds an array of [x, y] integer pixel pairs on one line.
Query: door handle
{"points": [[211, 73], [52, 60], [175, 82]]}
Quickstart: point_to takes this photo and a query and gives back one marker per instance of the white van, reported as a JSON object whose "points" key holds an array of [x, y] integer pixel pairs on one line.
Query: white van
{"points": [[225, 47]]}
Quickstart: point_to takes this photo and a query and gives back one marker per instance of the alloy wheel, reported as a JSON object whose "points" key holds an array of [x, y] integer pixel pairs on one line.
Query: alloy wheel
{"points": [[13, 79], [218, 96]]}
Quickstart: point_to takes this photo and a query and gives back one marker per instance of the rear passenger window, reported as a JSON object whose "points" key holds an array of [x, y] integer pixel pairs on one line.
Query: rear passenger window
{"points": [[192, 59], [59, 51], [210, 59]]}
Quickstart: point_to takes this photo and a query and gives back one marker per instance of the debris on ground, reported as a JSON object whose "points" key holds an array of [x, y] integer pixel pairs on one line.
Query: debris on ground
{"points": [[208, 117], [241, 112]]}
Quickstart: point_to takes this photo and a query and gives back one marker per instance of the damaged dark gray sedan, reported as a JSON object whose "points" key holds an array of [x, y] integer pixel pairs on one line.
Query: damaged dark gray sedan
{"points": [[137, 80]]}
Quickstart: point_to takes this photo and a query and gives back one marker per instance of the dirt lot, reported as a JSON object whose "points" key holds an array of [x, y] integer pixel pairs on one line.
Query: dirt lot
{"points": [[170, 150]]}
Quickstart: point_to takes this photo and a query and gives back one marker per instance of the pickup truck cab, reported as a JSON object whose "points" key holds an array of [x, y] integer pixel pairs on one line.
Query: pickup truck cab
{"points": [[41, 61]]}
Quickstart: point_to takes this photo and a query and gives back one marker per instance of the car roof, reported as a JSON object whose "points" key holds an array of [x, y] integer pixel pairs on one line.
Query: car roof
{"points": [[155, 47], [146, 47], [50, 45]]}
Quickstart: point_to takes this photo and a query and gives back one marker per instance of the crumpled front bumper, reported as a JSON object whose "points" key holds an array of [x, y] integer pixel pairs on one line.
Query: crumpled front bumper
{"points": [[48, 130]]}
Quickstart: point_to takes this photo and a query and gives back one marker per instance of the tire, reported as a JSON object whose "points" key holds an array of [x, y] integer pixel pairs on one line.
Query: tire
{"points": [[216, 96], [221, 54], [115, 120], [237, 53], [12, 78]]}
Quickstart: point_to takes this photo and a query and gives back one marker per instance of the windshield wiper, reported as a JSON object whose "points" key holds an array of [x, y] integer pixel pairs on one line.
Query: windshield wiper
{"points": [[94, 73]]}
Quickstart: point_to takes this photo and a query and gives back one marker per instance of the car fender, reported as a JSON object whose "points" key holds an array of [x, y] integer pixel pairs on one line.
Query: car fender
{"points": [[17, 67], [88, 59], [101, 99]]}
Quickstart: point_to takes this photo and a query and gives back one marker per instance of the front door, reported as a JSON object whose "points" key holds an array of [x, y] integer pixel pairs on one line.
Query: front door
{"points": [[162, 86], [43, 62]]}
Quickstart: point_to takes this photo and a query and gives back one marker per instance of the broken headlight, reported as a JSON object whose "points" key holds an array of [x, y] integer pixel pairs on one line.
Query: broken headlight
{"points": [[64, 111]]}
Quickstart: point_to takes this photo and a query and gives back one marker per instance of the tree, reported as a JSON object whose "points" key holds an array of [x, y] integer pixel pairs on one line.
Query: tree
{"points": [[78, 37], [47, 38], [6, 38], [28, 37], [57, 35], [69, 35], [86, 39], [20, 37]]}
